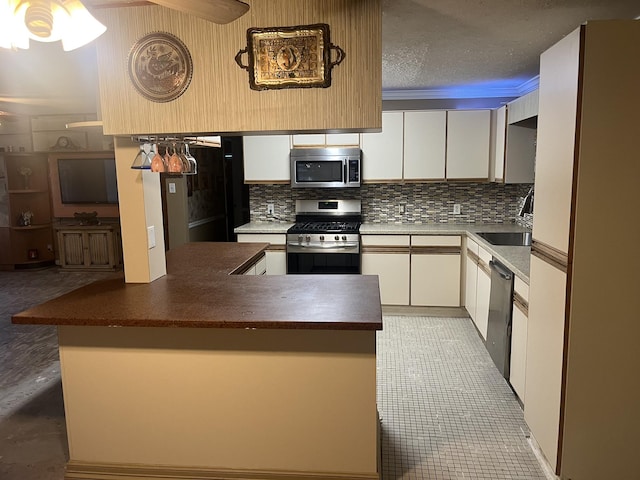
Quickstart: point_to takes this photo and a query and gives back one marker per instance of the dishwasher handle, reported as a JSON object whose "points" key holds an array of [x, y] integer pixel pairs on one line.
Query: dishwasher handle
{"points": [[506, 274]]}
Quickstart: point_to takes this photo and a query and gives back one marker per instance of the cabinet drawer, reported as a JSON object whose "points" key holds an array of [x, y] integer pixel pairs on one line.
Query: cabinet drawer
{"points": [[436, 240], [272, 238], [484, 255], [385, 240], [472, 246]]}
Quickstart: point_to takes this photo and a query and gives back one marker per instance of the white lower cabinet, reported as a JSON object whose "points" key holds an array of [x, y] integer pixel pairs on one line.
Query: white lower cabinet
{"points": [[275, 255], [435, 270], [483, 293], [420, 270], [545, 347], [258, 268], [388, 257], [478, 286], [471, 278], [519, 320]]}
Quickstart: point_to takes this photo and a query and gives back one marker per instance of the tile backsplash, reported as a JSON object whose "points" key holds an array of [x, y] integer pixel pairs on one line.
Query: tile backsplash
{"points": [[422, 202]]}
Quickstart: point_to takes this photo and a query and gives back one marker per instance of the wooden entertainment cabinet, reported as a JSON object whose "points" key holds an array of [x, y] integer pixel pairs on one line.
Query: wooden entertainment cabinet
{"points": [[29, 183], [84, 247], [89, 247]]}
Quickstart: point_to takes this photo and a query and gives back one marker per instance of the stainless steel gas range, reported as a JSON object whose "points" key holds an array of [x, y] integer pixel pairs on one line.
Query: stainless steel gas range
{"points": [[325, 238]]}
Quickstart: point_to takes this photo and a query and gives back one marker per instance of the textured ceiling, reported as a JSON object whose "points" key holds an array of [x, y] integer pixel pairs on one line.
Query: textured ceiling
{"points": [[431, 49], [444, 45]]}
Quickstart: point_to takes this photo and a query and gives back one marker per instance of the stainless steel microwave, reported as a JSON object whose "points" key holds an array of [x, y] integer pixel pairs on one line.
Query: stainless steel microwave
{"points": [[325, 167]]}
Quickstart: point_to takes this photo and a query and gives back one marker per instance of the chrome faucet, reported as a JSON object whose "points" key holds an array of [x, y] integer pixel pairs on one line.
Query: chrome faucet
{"points": [[527, 204]]}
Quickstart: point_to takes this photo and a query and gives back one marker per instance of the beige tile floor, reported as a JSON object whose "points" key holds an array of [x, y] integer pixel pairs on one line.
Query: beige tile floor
{"points": [[446, 413]]}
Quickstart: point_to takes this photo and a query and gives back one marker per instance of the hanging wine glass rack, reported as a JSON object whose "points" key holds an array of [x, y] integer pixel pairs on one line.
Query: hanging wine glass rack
{"points": [[170, 153]]}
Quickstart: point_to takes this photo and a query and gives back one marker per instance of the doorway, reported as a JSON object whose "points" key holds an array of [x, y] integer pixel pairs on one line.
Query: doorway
{"points": [[206, 207]]}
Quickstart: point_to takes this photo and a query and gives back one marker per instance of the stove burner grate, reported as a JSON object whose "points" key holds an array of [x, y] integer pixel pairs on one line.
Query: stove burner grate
{"points": [[339, 227]]}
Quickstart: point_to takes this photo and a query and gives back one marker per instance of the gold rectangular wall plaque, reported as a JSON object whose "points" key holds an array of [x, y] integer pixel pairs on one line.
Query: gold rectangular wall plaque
{"points": [[290, 57]]}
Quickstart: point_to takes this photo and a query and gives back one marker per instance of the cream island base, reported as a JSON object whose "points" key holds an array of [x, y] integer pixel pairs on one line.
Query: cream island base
{"points": [[243, 398]]}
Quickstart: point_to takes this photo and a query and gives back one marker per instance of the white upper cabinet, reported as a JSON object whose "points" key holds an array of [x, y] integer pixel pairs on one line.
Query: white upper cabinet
{"points": [[498, 136], [524, 107], [520, 141], [308, 140], [412, 146], [328, 140], [424, 145], [343, 139], [520, 152], [382, 152], [266, 159], [468, 134], [513, 147]]}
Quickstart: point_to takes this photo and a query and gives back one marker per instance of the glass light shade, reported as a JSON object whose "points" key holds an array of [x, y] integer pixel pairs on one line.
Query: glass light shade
{"points": [[50, 21], [83, 28], [13, 32]]}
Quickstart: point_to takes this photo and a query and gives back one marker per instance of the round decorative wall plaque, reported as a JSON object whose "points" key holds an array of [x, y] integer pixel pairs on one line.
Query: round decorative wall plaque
{"points": [[160, 67]]}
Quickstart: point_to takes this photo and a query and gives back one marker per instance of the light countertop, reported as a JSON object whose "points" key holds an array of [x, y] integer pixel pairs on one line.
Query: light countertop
{"points": [[514, 258]]}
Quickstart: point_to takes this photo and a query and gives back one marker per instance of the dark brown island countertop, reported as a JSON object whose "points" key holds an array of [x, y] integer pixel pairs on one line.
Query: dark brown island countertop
{"points": [[200, 291]]}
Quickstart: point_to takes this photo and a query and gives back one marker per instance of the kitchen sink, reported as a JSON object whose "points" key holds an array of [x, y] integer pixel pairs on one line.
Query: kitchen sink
{"points": [[515, 239]]}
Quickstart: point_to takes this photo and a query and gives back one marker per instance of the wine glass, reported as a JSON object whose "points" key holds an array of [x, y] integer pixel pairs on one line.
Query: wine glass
{"points": [[157, 163], [143, 158], [175, 162], [186, 166], [193, 165]]}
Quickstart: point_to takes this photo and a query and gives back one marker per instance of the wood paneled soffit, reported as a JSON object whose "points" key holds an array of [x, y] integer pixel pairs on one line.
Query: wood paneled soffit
{"points": [[218, 99]]}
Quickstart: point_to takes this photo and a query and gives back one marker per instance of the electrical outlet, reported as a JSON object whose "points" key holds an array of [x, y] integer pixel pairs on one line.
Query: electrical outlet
{"points": [[402, 209], [270, 209], [172, 187], [456, 209], [151, 237]]}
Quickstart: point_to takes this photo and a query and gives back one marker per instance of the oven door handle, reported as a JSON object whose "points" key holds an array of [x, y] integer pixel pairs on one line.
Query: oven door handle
{"points": [[342, 246], [306, 249]]}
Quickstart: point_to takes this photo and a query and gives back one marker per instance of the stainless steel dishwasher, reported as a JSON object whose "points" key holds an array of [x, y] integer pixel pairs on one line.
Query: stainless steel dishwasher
{"points": [[500, 305]]}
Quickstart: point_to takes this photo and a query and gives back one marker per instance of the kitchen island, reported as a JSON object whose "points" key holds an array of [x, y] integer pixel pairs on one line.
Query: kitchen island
{"points": [[205, 374]]}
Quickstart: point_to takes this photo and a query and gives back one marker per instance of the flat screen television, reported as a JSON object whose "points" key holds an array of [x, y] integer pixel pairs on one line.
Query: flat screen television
{"points": [[88, 180]]}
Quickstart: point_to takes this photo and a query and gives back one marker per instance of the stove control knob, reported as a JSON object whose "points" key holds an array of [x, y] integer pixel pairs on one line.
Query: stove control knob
{"points": [[337, 237], [321, 238], [299, 238], [308, 238], [344, 237]]}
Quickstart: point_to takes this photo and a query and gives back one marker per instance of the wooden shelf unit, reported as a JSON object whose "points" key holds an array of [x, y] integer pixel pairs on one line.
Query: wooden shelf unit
{"points": [[23, 246]]}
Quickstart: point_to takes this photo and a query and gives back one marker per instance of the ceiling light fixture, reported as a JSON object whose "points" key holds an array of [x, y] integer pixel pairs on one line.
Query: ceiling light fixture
{"points": [[47, 21]]}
